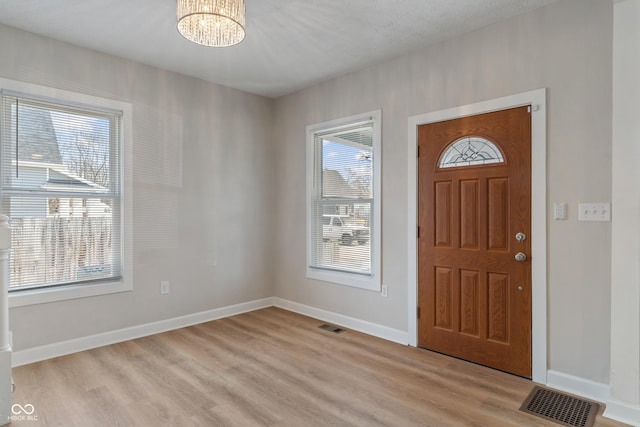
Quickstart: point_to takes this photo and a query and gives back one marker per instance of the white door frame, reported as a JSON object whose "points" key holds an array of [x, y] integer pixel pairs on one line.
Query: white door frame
{"points": [[537, 99]]}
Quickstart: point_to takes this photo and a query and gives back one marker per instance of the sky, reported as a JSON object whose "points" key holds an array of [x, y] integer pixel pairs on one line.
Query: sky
{"points": [[342, 158]]}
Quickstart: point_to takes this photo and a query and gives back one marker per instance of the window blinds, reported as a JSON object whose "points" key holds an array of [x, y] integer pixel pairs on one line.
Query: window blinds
{"points": [[341, 227], [60, 187]]}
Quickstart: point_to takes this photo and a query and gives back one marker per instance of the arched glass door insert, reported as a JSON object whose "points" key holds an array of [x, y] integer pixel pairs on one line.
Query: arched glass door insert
{"points": [[470, 151]]}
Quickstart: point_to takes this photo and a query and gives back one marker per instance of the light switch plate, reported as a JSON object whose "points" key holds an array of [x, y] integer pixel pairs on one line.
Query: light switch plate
{"points": [[594, 212]]}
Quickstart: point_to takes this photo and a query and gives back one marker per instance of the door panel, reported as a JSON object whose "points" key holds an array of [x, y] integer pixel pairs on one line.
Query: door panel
{"points": [[469, 216], [442, 208], [443, 299], [498, 214], [475, 298], [498, 316], [469, 316]]}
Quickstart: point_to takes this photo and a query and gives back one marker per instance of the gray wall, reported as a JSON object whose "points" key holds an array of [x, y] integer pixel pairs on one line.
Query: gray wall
{"points": [[241, 166], [565, 47], [202, 189]]}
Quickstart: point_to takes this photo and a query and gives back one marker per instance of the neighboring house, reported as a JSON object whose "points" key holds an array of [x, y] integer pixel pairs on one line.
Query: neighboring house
{"points": [[55, 177], [41, 167], [334, 185]]}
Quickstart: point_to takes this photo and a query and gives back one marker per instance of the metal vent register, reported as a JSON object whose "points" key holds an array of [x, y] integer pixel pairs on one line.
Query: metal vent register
{"points": [[331, 328], [561, 408]]}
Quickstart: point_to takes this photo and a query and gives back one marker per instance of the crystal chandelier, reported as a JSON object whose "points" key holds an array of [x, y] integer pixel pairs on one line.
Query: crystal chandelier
{"points": [[217, 23]]}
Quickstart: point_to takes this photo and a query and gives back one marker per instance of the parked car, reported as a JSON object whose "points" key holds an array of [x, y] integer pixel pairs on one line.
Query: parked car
{"points": [[342, 229]]}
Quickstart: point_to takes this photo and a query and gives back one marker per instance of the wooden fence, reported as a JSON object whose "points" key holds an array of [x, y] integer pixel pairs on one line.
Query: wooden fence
{"points": [[59, 249]]}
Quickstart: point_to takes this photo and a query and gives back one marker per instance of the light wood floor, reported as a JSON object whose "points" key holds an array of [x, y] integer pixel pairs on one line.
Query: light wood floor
{"points": [[268, 368]]}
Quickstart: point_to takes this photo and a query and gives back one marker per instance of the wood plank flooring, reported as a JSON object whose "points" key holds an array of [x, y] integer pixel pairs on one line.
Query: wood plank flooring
{"points": [[268, 368]]}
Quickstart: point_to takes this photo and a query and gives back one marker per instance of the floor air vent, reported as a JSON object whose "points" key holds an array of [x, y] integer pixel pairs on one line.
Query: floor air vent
{"points": [[561, 408], [331, 328]]}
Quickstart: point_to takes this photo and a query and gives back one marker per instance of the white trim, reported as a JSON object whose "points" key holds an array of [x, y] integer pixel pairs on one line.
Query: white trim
{"points": [[363, 326], [40, 296], [373, 281], [5, 391], [49, 351], [623, 412], [578, 386], [624, 373], [45, 295], [537, 99]]}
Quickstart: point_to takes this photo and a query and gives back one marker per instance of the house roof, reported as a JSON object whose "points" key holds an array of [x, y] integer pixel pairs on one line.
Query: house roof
{"points": [[38, 147], [61, 179], [36, 137], [334, 185]]}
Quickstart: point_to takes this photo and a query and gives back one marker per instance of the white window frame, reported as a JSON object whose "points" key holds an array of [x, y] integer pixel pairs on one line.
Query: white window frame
{"points": [[125, 283], [371, 281]]}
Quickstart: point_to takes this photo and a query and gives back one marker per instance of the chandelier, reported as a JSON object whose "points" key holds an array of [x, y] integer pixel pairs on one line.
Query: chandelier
{"points": [[217, 23]]}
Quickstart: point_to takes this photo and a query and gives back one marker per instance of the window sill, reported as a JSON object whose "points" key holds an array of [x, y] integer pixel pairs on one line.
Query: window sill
{"points": [[41, 296], [370, 283]]}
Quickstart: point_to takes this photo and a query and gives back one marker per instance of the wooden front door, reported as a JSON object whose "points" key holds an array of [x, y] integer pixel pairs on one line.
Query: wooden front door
{"points": [[474, 214]]}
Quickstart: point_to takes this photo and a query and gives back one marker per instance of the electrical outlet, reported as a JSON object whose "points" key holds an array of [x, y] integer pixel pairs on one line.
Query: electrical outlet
{"points": [[560, 211], [164, 287], [385, 291]]}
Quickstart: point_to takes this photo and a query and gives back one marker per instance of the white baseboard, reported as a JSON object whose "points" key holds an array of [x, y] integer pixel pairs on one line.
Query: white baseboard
{"points": [[37, 354], [578, 386], [623, 412], [380, 331]]}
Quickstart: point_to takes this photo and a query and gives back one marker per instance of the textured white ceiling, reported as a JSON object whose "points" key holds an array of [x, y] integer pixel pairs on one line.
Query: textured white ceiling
{"points": [[290, 44]]}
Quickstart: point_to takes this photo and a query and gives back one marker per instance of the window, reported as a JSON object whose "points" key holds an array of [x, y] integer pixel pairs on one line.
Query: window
{"points": [[61, 186], [343, 201], [470, 151]]}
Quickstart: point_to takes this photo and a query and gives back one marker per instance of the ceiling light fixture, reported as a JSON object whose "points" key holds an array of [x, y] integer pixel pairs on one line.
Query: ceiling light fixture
{"points": [[217, 23]]}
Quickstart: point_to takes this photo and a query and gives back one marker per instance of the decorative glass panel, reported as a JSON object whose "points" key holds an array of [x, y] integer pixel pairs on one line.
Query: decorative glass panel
{"points": [[470, 151]]}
